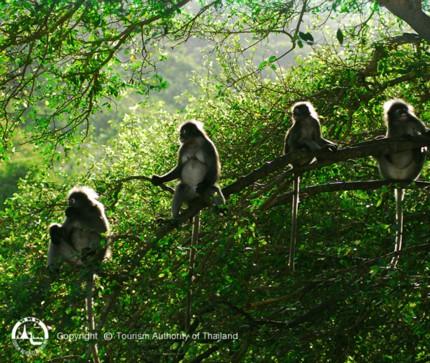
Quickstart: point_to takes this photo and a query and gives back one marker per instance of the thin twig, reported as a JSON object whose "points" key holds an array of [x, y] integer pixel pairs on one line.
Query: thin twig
{"points": [[336, 187]]}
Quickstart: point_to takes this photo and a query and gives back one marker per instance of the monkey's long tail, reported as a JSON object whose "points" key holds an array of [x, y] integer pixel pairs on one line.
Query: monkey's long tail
{"points": [[399, 195], [294, 212], [90, 317], [191, 262]]}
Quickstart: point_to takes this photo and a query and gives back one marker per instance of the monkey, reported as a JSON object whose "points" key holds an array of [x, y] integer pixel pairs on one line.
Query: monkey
{"points": [[77, 239], [403, 166], [304, 134], [198, 168], [79, 236]]}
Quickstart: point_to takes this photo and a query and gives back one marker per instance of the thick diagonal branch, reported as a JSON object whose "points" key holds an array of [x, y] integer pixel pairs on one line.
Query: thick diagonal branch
{"points": [[325, 157], [412, 13], [365, 149]]}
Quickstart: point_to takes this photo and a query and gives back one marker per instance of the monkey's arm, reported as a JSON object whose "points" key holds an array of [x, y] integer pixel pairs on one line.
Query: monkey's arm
{"points": [[328, 144], [74, 217], [91, 218], [63, 233], [421, 127], [98, 221], [320, 140], [295, 143], [311, 145], [286, 147], [175, 173], [211, 161], [291, 139], [57, 234], [381, 157], [94, 219], [62, 252], [308, 139], [414, 126]]}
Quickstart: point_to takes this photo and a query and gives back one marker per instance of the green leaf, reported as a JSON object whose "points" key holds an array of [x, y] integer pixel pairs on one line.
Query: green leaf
{"points": [[307, 37], [339, 36], [262, 65], [272, 58]]}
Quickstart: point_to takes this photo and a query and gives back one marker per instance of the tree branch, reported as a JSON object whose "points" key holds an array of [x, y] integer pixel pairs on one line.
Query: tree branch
{"points": [[120, 182], [325, 157], [145, 178], [336, 187], [412, 13]]}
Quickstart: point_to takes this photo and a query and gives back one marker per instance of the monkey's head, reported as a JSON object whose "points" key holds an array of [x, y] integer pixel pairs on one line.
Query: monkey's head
{"points": [[190, 130], [301, 110], [397, 110], [82, 197]]}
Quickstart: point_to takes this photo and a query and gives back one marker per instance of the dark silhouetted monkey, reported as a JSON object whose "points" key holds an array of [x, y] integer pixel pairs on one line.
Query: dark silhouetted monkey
{"points": [[198, 168], [404, 165], [79, 235], [304, 134], [77, 241]]}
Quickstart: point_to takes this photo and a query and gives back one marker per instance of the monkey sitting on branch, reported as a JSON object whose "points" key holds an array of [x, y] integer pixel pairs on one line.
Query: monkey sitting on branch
{"points": [[79, 236], [304, 134], [198, 168], [77, 241], [403, 166]]}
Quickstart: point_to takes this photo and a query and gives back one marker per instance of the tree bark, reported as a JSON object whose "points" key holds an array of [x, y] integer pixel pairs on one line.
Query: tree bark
{"points": [[412, 13]]}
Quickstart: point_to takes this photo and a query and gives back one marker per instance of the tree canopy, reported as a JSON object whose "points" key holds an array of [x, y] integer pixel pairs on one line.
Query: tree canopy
{"points": [[61, 60]]}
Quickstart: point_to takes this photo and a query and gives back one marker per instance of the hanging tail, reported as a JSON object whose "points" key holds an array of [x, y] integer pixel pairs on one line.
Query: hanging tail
{"points": [[294, 212], [399, 196]]}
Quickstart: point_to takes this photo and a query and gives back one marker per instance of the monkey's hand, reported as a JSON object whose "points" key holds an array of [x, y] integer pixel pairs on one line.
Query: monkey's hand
{"points": [[156, 180], [331, 147]]}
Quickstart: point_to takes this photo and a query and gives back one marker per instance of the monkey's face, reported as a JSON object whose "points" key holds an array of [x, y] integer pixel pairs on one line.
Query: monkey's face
{"points": [[79, 200], [301, 111], [399, 112], [188, 131]]}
